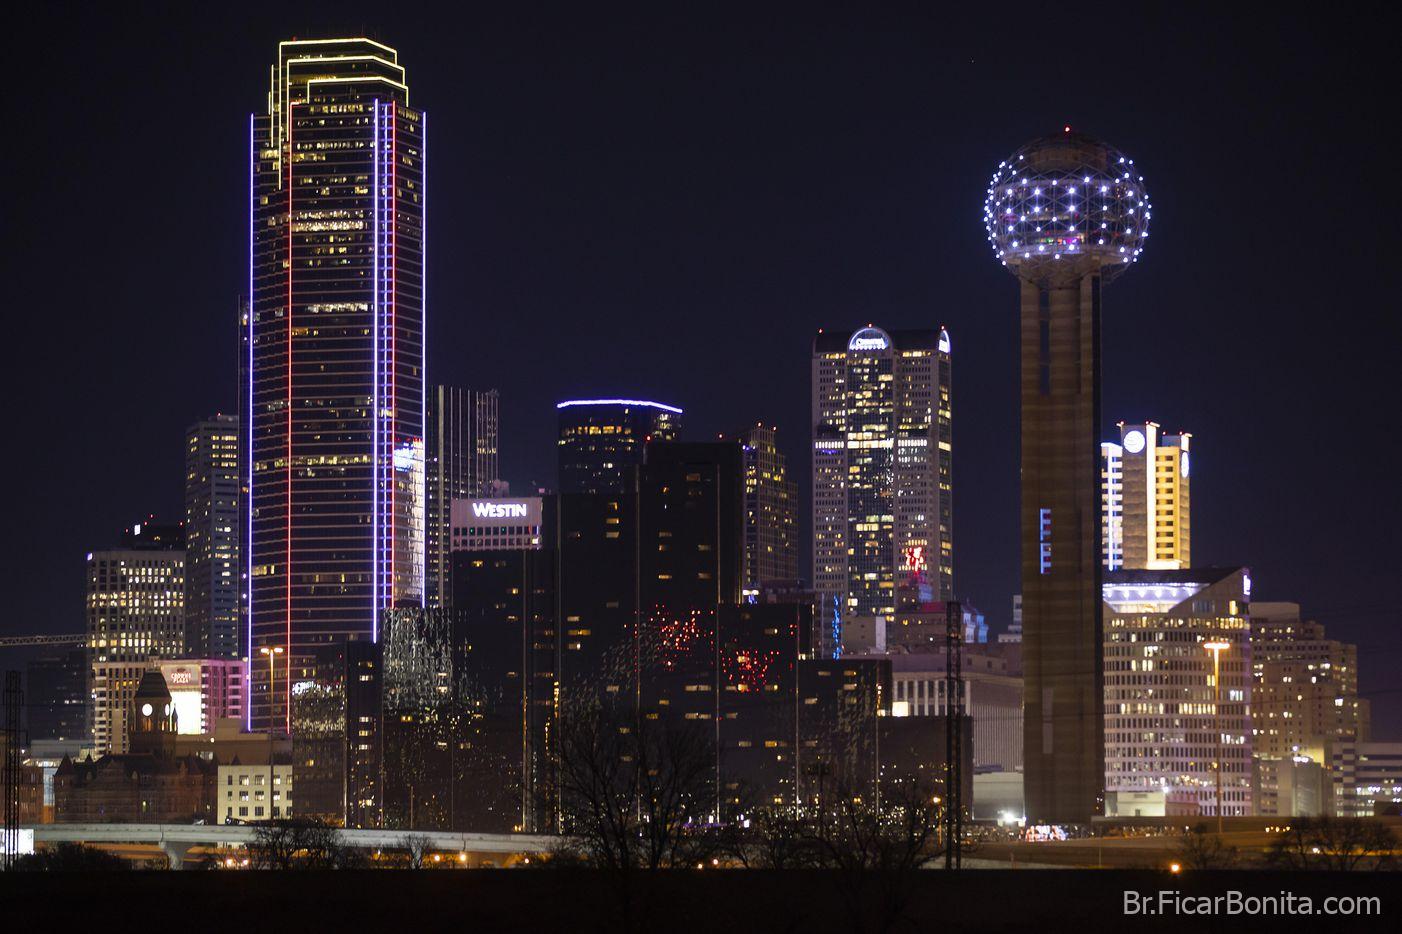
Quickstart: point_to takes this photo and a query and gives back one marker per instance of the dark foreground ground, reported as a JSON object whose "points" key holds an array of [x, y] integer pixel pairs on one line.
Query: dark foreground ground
{"points": [[407, 902]]}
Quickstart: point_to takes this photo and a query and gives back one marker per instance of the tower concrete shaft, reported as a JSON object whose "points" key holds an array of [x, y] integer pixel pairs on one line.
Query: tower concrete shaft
{"points": [[1061, 561]]}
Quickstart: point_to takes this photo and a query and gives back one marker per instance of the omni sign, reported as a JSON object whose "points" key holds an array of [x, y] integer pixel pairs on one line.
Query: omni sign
{"points": [[499, 510]]}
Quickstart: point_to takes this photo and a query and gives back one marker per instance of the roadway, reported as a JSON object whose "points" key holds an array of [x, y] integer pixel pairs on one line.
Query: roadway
{"points": [[177, 840]]}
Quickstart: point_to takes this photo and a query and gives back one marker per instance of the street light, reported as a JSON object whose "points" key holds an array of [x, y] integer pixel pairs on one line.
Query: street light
{"points": [[272, 653], [1217, 647]]}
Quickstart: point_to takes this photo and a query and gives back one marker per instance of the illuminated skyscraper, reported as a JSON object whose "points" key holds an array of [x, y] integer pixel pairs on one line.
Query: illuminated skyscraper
{"points": [[1306, 686], [882, 494], [771, 496], [212, 575], [602, 440], [135, 612], [1144, 514], [1167, 720], [1064, 214], [336, 388], [462, 463]]}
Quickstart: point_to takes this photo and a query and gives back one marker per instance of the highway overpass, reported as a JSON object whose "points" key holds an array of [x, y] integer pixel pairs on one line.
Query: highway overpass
{"points": [[176, 840]]}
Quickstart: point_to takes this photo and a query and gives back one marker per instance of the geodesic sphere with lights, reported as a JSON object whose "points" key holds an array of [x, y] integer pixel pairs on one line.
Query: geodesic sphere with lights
{"points": [[1065, 206]]}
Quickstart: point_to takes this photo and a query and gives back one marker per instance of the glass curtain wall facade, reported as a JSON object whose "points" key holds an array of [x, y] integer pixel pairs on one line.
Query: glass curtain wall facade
{"points": [[212, 576], [335, 342], [771, 535], [462, 441]]}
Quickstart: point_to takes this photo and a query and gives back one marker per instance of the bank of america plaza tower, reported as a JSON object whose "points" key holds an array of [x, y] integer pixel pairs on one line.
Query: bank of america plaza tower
{"points": [[335, 391]]}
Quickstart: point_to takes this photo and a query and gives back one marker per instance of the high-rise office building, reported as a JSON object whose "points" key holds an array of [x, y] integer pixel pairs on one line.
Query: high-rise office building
{"points": [[882, 475], [461, 450], [548, 622], [336, 736], [771, 498], [56, 696], [690, 563], [691, 526], [204, 691], [1167, 719], [601, 441], [1144, 514], [1065, 214], [1306, 697], [432, 722], [336, 347], [135, 612], [213, 579]]}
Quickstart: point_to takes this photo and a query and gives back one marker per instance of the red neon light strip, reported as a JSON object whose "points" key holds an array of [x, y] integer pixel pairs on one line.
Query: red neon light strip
{"points": [[288, 571], [393, 330]]}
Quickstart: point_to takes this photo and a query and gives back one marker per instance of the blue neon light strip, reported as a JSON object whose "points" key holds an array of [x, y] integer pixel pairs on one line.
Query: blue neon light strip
{"points": [[643, 402], [247, 567], [423, 341], [375, 415]]}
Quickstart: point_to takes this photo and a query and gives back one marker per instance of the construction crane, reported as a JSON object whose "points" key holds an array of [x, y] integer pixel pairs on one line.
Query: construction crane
{"points": [[67, 638]]}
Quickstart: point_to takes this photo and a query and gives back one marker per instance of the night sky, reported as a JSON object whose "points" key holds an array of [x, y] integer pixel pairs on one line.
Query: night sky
{"points": [[668, 208]]}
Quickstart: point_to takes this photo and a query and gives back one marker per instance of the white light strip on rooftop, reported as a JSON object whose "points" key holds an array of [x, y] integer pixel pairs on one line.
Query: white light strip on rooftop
{"points": [[644, 402]]}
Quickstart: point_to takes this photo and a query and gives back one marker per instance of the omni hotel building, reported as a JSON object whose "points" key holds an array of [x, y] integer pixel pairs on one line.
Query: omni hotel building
{"points": [[336, 358], [1144, 494], [882, 500]]}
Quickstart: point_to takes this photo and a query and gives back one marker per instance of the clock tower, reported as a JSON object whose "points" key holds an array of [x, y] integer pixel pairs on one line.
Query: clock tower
{"points": [[153, 721]]}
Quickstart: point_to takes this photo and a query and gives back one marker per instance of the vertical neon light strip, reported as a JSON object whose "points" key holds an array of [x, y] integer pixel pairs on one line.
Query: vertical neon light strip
{"points": [[423, 346], [1151, 446], [248, 427], [393, 271], [287, 570], [375, 381]]}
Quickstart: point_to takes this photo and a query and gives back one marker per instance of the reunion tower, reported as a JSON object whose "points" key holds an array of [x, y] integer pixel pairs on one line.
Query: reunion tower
{"points": [[1065, 214]]}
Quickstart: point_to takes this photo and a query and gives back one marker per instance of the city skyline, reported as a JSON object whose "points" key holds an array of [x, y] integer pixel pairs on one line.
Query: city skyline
{"points": [[988, 567]]}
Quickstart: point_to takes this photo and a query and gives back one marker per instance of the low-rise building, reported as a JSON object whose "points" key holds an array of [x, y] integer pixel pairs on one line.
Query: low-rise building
{"points": [[253, 792], [1294, 786], [992, 699], [149, 784], [1367, 779]]}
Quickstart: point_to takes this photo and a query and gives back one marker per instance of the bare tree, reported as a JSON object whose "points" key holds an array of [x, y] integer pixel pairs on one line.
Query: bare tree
{"points": [[70, 857], [635, 791], [274, 846], [292, 843], [416, 845], [777, 837], [1334, 843], [876, 849], [636, 794], [1199, 849]]}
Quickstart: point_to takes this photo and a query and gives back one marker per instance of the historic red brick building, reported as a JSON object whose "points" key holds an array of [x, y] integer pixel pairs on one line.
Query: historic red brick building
{"points": [[150, 784]]}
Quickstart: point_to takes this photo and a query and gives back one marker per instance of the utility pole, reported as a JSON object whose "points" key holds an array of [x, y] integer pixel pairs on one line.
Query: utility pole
{"points": [[953, 735], [272, 653], [14, 699], [1217, 647]]}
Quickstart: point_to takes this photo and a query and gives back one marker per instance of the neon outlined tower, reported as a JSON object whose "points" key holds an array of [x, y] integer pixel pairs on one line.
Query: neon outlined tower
{"points": [[336, 357], [1065, 214]]}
